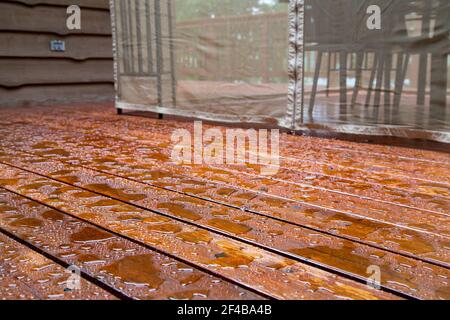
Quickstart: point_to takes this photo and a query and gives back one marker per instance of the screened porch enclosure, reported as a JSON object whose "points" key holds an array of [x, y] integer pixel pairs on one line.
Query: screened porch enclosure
{"points": [[145, 63], [300, 64], [390, 81], [218, 60]]}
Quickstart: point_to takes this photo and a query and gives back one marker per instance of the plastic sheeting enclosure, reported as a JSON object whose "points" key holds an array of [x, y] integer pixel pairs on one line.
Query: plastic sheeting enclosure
{"points": [[359, 66]]}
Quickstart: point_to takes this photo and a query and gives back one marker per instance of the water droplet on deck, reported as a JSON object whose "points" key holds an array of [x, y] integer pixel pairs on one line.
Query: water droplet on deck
{"points": [[27, 223], [90, 235], [136, 270], [165, 228], [200, 236], [232, 227], [179, 210]]}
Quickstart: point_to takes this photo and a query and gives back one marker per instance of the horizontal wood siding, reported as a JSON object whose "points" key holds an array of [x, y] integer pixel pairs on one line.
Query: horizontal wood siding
{"points": [[31, 73], [78, 47], [52, 94], [97, 4], [19, 72]]}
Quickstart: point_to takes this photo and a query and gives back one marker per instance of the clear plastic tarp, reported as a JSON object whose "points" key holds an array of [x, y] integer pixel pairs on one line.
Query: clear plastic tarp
{"points": [[358, 66]]}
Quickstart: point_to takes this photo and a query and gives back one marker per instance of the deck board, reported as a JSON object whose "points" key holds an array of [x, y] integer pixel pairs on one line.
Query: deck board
{"points": [[108, 257], [277, 236], [310, 231], [28, 275]]}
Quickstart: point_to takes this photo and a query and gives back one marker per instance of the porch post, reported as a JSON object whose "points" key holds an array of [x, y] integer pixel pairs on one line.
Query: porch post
{"points": [[294, 113]]}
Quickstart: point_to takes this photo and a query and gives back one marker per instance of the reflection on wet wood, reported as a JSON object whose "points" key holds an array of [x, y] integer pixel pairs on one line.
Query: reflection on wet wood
{"points": [[155, 230]]}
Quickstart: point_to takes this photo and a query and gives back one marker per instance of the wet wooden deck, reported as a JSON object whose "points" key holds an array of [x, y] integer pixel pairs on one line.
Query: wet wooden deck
{"points": [[84, 186]]}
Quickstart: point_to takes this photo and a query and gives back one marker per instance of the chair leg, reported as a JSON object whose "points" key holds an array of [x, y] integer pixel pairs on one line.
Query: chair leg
{"points": [[422, 79], [315, 82], [379, 84], [372, 79], [387, 88], [359, 64], [343, 78], [402, 65], [387, 80], [438, 86], [328, 74]]}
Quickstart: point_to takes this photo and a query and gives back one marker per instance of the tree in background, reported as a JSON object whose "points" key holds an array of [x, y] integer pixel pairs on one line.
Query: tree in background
{"points": [[197, 9]]}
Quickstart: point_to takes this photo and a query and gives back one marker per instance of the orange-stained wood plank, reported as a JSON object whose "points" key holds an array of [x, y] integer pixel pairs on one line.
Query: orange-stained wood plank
{"points": [[126, 267], [422, 237], [351, 192], [400, 273], [278, 277], [28, 275], [369, 198]]}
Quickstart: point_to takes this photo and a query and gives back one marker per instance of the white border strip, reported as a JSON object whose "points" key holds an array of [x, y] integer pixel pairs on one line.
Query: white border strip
{"points": [[112, 10], [294, 112]]}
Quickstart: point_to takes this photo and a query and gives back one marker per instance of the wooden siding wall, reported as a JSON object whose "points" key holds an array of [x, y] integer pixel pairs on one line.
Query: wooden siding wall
{"points": [[31, 74]]}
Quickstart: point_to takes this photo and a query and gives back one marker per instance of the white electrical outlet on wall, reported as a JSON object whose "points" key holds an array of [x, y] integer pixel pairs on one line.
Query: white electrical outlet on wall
{"points": [[57, 45]]}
